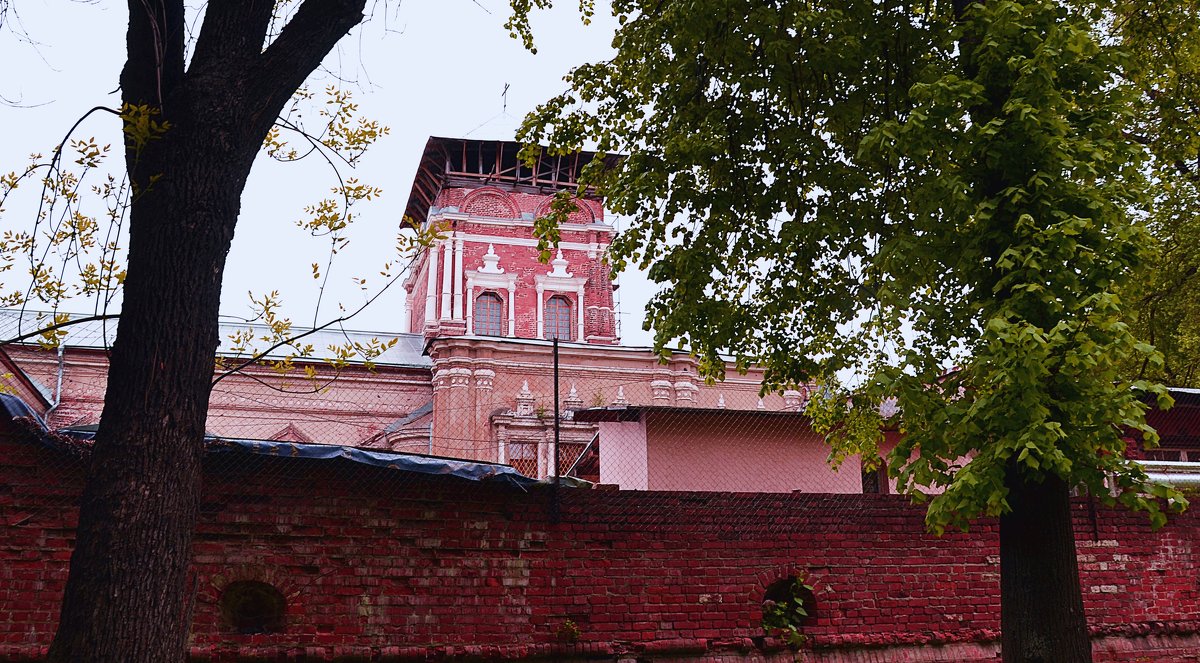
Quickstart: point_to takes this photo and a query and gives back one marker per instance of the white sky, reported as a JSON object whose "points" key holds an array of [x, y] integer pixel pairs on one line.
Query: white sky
{"points": [[424, 67]]}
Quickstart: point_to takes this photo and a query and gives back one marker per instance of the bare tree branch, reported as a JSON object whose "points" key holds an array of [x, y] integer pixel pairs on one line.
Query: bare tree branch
{"points": [[302, 44], [55, 327]]}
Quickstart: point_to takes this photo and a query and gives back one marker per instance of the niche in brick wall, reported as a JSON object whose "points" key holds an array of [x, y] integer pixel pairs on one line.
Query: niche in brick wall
{"points": [[491, 203], [249, 607], [789, 591], [582, 214]]}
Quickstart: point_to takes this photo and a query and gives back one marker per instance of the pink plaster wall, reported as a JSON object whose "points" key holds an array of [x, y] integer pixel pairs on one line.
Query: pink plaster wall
{"points": [[623, 455], [742, 452], [475, 379], [352, 407]]}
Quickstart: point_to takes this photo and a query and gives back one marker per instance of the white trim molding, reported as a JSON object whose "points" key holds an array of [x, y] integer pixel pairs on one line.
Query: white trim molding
{"points": [[457, 313], [561, 281], [447, 266], [431, 282], [481, 279]]}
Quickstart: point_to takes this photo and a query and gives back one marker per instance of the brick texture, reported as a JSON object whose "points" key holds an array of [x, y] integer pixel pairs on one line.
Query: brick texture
{"points": [[380, 565]]}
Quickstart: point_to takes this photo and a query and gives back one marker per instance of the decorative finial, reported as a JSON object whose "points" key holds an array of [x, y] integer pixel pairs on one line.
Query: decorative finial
{"points": [[491, 262], [760, 405], [621, 397], [560, 266], [525, 401], [721, 401], [573, 401]]}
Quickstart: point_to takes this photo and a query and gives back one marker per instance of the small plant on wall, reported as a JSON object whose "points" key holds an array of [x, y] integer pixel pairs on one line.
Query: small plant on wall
{"points": [[788, 604], [568, 631]]}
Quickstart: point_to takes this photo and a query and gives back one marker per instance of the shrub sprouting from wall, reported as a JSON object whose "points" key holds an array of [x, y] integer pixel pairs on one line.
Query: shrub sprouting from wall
{"points": [[788, 604]]}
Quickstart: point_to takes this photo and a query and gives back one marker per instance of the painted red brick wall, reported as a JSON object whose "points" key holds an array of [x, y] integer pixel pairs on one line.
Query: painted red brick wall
{"points": [[390, 566], [505, 220]]}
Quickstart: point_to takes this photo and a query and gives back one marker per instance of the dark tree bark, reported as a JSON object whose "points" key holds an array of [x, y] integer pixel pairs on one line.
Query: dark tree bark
{"points": [[127, 598], [1041, 606]]}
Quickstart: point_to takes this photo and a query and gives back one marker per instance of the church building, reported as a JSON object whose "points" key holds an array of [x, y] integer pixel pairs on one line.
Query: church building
{"points": [[472, 378]]}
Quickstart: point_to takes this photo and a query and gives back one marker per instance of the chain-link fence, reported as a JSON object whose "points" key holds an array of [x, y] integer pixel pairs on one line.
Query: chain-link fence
{"points": [[494, 490]]}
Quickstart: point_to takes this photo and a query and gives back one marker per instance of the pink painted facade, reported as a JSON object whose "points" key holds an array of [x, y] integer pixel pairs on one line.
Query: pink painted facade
{"points": [[493, 398], [768, 453], [484, 208], [668, 448], [473, 378], [353, 408]]}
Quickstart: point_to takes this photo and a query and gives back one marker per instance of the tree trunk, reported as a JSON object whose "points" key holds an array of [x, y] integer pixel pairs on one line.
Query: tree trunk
{"points": [[126, 598], [1041, 607]]}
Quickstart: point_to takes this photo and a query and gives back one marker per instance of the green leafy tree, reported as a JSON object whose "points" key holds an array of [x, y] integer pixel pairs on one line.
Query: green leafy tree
{"points": [[1165, 305], [942, 199]]}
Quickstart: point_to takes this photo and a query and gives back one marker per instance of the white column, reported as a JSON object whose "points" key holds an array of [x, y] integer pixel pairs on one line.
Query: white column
{"points": [[512, 309], [458, 279], [446, 267], [579, 305], [540, 322], [471, 308], [431, 282]]}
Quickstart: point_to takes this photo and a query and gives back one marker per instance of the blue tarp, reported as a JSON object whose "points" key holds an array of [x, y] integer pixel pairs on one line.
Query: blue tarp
{"points": [[14, 408], [464, 469]]}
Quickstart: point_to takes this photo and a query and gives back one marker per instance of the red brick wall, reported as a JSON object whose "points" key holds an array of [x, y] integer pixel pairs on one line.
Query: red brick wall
{"points": [[383, 565], [486, 204]]}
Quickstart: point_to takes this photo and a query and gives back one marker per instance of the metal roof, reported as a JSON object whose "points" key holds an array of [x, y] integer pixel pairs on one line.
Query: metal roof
{"points": [[99, 334], [635, 412]]}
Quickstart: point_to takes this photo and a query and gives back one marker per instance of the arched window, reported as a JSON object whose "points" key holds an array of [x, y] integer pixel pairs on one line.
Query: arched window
{"points": [[489, 315], [558, 318], [252, 607]]}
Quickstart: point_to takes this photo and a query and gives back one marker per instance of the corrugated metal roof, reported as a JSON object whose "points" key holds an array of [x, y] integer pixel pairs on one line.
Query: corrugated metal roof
{"points": [[408, 351]]}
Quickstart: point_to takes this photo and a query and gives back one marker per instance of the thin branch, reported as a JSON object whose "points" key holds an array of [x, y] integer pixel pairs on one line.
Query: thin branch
{"points": [[45, 330], [55, 169], [320, 148], [317, 143], [293, 339], [312, 390]]}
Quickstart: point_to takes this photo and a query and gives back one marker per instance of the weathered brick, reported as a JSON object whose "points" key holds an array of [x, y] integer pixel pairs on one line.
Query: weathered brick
{"points": [[387, 566]]}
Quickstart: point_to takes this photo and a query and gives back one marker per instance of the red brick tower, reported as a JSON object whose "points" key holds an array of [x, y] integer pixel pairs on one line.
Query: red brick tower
{"points": [[483, 277]]}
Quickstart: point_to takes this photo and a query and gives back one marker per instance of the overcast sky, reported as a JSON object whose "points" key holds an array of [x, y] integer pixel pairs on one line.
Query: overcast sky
{"points": [[421, 67]]}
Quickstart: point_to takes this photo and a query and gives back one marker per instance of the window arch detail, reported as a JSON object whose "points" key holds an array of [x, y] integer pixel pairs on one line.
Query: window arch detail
{"points": [[250, 607], [559, 320], [489, 315]]}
